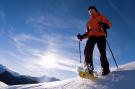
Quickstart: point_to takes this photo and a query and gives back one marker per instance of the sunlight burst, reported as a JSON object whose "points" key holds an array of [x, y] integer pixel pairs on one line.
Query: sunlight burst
{"points": [[48, 60]]}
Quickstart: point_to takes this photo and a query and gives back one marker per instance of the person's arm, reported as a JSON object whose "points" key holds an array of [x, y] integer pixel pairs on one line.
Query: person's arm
{"points": [[85, 35], [105, 23]]}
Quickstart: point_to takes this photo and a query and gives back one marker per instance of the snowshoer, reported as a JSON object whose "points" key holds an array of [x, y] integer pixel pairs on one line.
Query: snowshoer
{"points": [[96, 32]]}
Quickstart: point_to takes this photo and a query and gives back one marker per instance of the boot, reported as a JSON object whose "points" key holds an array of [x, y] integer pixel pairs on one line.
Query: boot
{"points": [[105, 71], [89, 69]]}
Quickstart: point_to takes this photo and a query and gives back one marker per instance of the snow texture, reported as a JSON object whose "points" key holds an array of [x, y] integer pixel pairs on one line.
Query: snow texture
{"points": [[122, 78], [3, 84]]}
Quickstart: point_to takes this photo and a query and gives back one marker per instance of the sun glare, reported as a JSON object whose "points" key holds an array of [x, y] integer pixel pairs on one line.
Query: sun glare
{"points": [[51, 60], [48, 60]]}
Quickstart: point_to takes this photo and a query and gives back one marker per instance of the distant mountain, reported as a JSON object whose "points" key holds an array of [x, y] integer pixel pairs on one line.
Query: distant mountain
{"points": [[12, 78], [4, 68]]}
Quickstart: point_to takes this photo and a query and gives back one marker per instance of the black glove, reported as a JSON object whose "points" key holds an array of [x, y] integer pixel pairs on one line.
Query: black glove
{"points": [[79, 37]]}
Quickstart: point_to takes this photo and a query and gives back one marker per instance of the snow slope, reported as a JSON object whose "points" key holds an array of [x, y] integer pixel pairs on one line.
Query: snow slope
{"points": [[123, 78], [3, 84]]}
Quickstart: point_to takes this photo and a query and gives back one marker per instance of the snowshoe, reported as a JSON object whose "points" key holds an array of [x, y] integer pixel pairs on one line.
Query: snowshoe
{"points": [[85, 72]]}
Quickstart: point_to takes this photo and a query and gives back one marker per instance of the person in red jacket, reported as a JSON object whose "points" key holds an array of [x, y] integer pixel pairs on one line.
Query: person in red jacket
{"points": [[96, 32]]}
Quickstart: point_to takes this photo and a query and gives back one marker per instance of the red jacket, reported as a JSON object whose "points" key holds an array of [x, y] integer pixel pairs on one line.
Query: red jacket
{"points": [[92, 26]]}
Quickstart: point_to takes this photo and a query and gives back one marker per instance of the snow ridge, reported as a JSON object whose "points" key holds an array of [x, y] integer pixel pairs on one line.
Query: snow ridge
{"points": [[4, 68], [123, 78]]}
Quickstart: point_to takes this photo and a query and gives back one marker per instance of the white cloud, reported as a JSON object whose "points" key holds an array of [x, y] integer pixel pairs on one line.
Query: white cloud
{"points": [[48, 21], [50, 58], [27, 37]]}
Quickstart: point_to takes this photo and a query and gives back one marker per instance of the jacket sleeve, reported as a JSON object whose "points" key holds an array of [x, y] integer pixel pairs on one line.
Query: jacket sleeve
{"points": [[106, 21], [88, 28], [85, 35]]}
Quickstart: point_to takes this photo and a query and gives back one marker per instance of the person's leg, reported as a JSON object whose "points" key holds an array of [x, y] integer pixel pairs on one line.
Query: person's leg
{"points": [[101, 43], [88, 52]]}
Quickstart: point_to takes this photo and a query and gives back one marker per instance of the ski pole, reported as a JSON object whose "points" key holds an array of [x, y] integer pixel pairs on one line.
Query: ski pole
{"points": [[110, 50], [80, 51], [112, 53]]}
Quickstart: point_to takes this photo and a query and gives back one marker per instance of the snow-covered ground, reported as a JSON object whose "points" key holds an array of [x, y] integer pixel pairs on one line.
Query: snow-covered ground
{"points": [[3, 84], [123, 78]]}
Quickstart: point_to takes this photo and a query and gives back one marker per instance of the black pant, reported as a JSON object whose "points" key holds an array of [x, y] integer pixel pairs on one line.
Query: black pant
{"points": [[88, 52]]}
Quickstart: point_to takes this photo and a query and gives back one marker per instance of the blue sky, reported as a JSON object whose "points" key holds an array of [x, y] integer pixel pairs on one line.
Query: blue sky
{"points": [[38, 37]]}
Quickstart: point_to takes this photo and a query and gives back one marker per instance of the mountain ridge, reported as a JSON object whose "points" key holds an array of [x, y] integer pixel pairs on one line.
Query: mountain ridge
{"points": [[13, 78]]}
